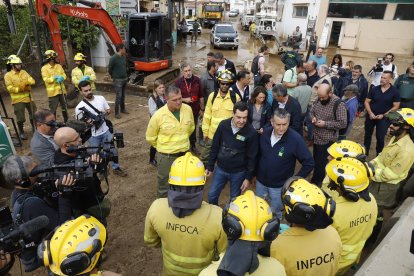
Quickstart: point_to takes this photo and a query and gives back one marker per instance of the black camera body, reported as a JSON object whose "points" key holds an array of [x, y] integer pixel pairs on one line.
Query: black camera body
{"points": [[97, 120], [6, 227]]}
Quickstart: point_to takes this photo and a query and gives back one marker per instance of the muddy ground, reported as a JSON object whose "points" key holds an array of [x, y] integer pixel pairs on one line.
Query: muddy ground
{"points": [[131, 196]]}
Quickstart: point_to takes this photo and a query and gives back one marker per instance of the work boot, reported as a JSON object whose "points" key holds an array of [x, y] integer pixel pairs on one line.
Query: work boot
{"points": [[124, 111], [65, 116], [118, 116], [120, 172], [21, 131]]}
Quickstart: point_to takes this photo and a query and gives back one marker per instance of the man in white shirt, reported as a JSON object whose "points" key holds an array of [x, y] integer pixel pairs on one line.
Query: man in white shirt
{"points": [[100, 131], [384, 65]]}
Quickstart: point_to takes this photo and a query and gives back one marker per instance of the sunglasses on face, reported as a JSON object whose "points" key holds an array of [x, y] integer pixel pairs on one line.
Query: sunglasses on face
{"points": [[51, 123], [396, 124]]}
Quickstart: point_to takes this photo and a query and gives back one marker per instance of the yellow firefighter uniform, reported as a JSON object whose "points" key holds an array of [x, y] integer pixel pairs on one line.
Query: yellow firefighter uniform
{"points": [[187, 243], [354, 222], [52, 87], [394, 162], [310, 253], [77, 74], [267, 266], [19, 86], [221, 109], [167, 134]]}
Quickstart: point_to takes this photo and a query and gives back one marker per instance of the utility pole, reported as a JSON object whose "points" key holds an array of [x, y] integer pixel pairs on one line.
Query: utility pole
{"points": [[195, 7], [10, 16], [36, 34]]}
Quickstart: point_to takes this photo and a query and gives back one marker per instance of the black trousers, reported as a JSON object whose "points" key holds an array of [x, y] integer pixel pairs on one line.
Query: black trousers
{"points": [[381, 130], [320, 155]]}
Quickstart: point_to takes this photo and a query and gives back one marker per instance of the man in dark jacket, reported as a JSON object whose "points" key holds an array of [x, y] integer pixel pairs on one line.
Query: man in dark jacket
{"points": [[291, 105], [241, 86], [280, 148], [234, 148], [224, 63], [359, 80]]}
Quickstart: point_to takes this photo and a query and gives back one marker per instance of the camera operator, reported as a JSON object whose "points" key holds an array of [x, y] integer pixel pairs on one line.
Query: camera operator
{"points": [[26, 205], [42, 144], [90, 199], [384, 64], [96, 105]]}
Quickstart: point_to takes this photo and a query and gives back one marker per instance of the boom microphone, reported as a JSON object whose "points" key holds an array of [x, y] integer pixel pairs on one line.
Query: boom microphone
{"points": [[27, 228]]}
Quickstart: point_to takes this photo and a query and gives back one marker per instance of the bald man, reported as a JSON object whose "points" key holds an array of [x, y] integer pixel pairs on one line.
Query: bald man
{"points": [[91, 199], [328, 117]]}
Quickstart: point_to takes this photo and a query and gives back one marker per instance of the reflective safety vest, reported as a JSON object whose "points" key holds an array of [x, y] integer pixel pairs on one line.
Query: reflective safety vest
{"points": [[354, 222], [52, 87], [19, 86], [87, 71], [221, 109], [167, 134], [188, 244]]}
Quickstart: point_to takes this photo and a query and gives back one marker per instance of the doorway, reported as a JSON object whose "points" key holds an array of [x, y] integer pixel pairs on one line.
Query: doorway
{"points": [[335, 33]]}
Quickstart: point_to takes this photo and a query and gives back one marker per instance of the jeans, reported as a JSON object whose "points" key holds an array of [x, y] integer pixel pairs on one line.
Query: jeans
{"points": [[381, 130], [320, 155], [220, 179], [275, 197], [96, 141], [119, 85]]}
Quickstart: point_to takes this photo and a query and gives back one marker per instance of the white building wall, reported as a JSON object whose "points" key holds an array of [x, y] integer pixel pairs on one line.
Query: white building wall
{"points": [[289, 22]]}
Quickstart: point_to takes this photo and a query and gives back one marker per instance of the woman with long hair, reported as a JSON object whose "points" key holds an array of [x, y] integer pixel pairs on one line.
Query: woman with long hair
{"points": [[155, 102], [259, 109]]}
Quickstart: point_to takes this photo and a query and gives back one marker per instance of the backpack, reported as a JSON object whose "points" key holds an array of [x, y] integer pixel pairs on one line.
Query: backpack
{"points": [[342, 131], [255, 65], [232, 96], [290, 59]]}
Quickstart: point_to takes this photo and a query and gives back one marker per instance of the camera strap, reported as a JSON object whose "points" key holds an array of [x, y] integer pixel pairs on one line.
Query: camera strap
{"points": [[91, 106]]}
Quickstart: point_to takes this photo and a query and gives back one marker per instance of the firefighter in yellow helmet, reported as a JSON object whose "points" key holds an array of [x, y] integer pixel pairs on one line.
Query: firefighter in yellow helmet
{"points": [[219, 107], [310, 246], [187, 229], [19, 84], [251, 226], [53, 75], [394, 162], [343, 148], [82, 72], [356, 209]]}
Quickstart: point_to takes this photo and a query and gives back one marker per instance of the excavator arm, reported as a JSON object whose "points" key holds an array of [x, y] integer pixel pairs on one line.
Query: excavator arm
{"points": [[95, 14]]}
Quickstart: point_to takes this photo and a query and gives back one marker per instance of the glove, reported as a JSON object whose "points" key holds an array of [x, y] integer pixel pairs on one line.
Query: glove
{"points": [[283, 228], [85, 78], [58, 79]]}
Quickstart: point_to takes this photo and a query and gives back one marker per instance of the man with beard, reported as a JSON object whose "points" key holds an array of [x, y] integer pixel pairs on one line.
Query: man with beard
{"points": [[327, 122], [191, 91], [94, 104], [394, 162], [42, 145], [18, 83], [82, 72]]}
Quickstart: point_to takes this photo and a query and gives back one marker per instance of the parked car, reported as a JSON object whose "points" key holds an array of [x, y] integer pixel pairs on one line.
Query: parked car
{"points": [[190, 27], [234, 13], [224, 35]]}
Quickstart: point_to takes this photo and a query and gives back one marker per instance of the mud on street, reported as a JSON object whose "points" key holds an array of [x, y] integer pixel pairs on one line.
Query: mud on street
{"points": [[131, 196]]}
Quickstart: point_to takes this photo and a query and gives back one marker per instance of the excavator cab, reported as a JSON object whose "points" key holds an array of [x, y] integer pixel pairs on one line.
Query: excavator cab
{"points": [[149, 42]]}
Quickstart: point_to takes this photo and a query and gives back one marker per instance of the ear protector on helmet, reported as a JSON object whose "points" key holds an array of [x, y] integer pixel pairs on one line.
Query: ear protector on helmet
{"points": [[24, 181], [235, 229], [303, 212], [77, 262]]}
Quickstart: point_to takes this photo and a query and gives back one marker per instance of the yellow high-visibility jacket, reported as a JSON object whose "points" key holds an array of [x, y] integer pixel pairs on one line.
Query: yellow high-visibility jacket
{"points": [[167, 134], [19, 86], [52, 87], [394, 162], [267, 266], [354, 222], [188, 243], [221, 109], [77, 75]]}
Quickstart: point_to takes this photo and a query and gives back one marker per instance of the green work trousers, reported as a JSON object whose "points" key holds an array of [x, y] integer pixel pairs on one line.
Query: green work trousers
{"points": [[385, 194], [164, 163], [55, 101], [206, 151], [19, 111]]}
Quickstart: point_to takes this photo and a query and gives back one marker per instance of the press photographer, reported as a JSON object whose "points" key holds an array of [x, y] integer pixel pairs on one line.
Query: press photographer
{"points": [[383, 64], [92, 110], [27, 206], [90, 199]]}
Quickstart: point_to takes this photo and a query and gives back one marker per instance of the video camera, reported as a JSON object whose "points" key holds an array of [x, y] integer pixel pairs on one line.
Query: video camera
{"points": [[91, 118], [377, 67], [14, 236]]}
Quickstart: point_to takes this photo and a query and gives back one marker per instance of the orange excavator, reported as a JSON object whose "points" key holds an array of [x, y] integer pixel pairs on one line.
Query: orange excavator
{"points": [[149, 37]]}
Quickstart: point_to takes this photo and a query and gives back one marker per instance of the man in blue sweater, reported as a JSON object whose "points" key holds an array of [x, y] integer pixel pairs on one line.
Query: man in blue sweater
{"points": [[234, 148], [280, 147]]}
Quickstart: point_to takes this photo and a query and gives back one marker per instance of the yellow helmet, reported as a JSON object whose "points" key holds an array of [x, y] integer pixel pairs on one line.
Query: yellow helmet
{"points": [[349, 173], [75, 246], [225, 76], [187, 170], [345, 148], [250, 218], [407, 115], [13, 59], [50, 54], [79, 57], [300, 198]]}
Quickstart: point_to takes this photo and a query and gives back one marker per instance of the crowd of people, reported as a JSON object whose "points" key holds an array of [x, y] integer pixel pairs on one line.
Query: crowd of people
{"points": [[256, 135]]}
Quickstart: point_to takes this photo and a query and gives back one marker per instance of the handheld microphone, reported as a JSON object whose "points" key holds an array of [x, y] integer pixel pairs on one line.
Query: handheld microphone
{"points": [[26, 229]]}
